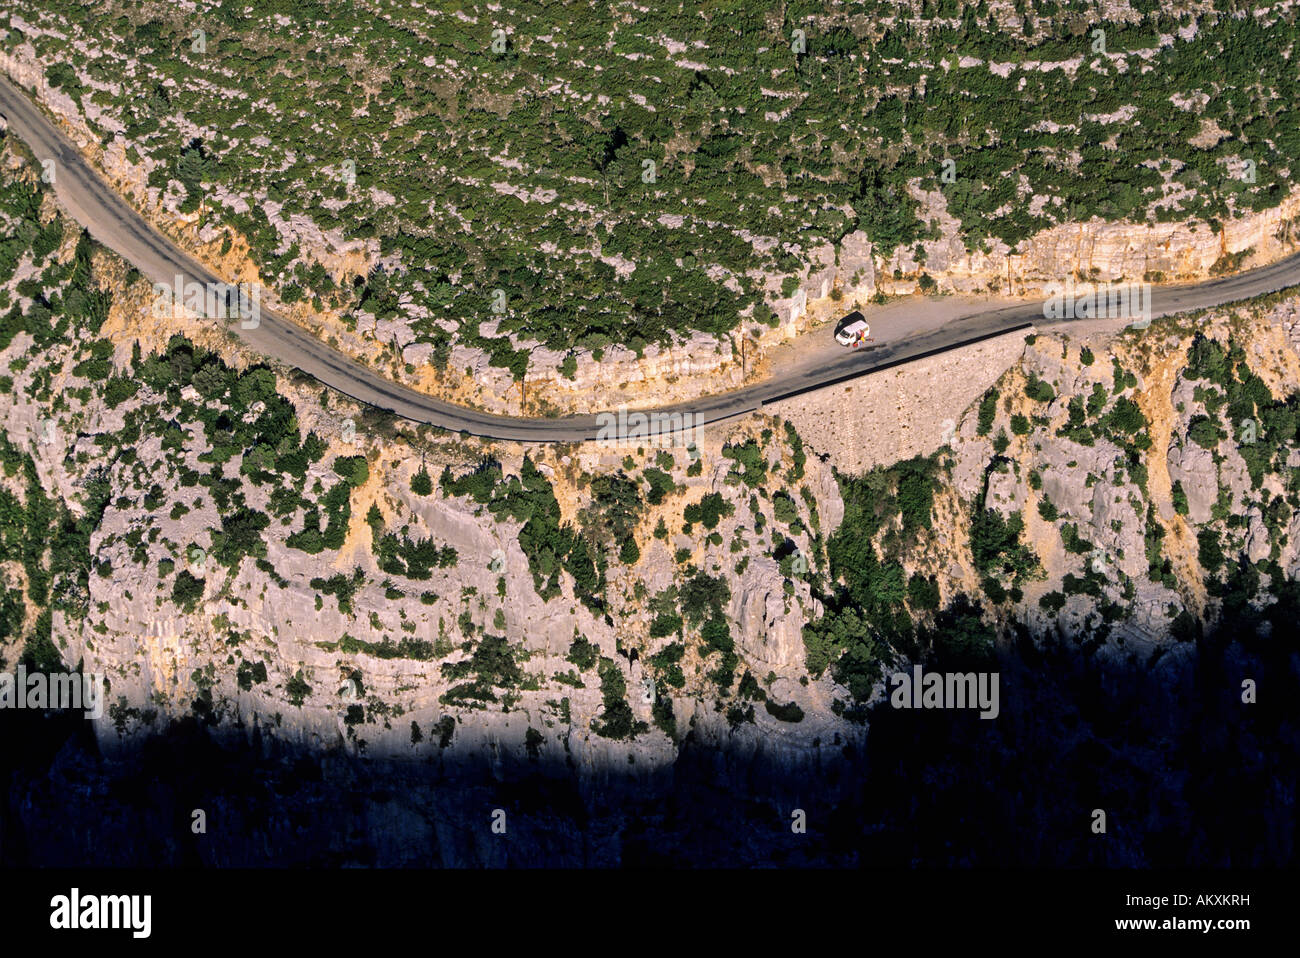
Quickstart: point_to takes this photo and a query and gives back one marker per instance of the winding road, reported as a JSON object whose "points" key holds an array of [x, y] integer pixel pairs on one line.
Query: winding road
{"points": [[113, 222]]}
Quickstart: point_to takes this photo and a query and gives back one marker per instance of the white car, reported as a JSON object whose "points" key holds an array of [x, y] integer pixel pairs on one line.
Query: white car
{"points": [[853, 332]]}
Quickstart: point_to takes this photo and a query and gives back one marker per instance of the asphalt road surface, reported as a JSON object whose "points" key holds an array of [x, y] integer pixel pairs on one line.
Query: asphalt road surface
{"points": [[112, 221]]}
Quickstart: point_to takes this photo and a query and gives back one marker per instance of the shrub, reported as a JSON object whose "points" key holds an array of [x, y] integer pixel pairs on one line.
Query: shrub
{"points": [[784, 713], [187, 590], [665, 623], [1053, 602], [1038, 390], [784, 508], [354, 469], [1179, 497], [987, 412], [703, 595], [617, 721], [710, 510], [996, 548], [1205, 432], [1209, 551], [667, 663], [583, 653], [749, 460], [297, 689], [118, 389], [923, 593]]}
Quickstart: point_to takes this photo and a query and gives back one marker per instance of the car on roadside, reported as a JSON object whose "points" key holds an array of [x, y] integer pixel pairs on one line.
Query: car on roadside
{"points": [[853, 330]]}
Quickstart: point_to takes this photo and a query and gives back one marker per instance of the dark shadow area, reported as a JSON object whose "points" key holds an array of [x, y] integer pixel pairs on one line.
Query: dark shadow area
{"points": [[1187, 774]]}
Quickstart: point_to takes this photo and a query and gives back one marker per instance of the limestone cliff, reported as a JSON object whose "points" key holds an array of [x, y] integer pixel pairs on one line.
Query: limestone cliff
{"points": [[240, 551]]}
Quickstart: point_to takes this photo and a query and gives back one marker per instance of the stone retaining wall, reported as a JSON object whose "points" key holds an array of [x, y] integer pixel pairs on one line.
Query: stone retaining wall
{"points": [[902, 412]]}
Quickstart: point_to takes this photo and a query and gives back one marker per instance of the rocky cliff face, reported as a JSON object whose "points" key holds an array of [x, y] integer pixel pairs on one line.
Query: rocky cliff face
{"points": [[1160, 462], [244, 554], [346, 649], [1093, 251]]}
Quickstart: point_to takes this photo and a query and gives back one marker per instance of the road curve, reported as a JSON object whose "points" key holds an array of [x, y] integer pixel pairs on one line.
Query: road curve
{"points": [[112, 221]]}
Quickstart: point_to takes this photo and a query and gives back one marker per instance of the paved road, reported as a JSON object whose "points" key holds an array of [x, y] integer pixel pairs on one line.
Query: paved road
{"points": [[112, 221]]}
